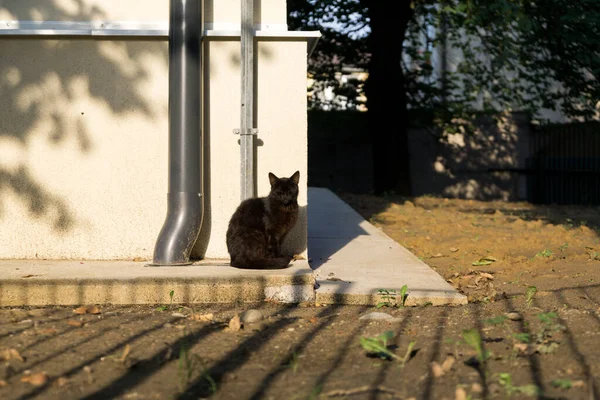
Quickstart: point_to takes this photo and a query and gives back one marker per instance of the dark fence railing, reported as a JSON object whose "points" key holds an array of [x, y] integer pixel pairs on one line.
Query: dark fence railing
{"points": [[564, 164]]}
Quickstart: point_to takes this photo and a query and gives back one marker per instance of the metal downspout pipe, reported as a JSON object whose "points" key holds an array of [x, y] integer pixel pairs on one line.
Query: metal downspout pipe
{"points": [[185, 204]]}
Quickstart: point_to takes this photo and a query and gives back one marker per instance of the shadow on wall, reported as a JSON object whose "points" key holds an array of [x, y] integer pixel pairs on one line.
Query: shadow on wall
{"points": [[461, 165], [42, 92], [471, 165]]}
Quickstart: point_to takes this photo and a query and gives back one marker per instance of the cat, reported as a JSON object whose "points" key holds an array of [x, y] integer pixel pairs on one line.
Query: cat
{"points": [[259, 226]]}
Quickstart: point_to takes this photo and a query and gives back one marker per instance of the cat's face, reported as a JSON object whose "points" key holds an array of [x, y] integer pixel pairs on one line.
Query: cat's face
{"points": [[284, 190]]}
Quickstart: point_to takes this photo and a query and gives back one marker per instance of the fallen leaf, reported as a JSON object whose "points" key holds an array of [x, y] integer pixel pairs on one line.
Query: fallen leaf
{"points": [[298, 257], [3, 383], [437, 255], [313, 320], [486, 275], [488, 258], [93, 310], [202, 317], [39, 379], [74, 323], [481, 262], [578, 383], [521, 347], [453, 249], [28, 276], [178, 315], [126, 352], [80, 310], [138, 259], [448, 363], [12, 354], [235, 324]]}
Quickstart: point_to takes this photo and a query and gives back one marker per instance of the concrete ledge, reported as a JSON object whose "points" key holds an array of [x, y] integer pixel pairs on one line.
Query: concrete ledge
{"points": [[353, 260], [42, 283]]}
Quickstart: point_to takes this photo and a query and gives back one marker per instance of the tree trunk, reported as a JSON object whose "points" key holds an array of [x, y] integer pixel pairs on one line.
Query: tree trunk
{"points": [[385, 90]]}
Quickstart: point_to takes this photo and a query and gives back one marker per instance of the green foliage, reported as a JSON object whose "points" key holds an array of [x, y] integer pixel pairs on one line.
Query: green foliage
{"points": [[389, 297], [505, 380], [544, 253], [379, 345], [473, 339], [562, 383], [507, 54], [522, 337], [530, 294], [499, 320]]}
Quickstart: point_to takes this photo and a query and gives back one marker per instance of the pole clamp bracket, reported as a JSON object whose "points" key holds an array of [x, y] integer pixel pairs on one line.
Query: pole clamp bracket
{"points": [[250, 131]]}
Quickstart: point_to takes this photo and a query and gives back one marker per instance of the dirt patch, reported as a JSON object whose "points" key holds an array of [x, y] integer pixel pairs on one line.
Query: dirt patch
{"points": [[518, 244], [509, 341]]}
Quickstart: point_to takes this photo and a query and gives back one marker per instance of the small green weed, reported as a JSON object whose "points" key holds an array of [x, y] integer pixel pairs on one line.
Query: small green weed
{"points": [[379, 345], [389, 297], [315, 392], [505, 380], [530, 294], [293, 364], [564, 246], [187, 364], [409, 352], [522, 337], [473, 339], [593, 254], [403, 294], [165, 307], [499, 320], [545, 253], [562, 384]]}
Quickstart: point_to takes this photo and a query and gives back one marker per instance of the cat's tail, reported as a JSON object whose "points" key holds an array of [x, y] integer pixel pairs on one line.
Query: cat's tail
{"points": [[266, 263]]}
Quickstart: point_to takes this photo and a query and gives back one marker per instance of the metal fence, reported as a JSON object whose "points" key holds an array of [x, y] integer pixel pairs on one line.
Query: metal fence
{"points": [[564, 164]]}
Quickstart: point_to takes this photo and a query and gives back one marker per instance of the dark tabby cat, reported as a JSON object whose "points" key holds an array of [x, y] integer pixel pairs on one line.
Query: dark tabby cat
{"points": [[259, 226]]}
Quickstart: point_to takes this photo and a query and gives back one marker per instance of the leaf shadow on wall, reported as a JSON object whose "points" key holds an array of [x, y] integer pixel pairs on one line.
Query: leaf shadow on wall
{"points": [[43, 84]]}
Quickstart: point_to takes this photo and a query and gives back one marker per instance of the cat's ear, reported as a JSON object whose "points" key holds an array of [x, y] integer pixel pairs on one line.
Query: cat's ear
{"points": [[296, 177], [272, 178]]}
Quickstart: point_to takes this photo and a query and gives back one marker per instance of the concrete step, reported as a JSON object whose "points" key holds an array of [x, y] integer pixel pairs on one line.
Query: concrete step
{"points": [[42, 283], [354, 261]]}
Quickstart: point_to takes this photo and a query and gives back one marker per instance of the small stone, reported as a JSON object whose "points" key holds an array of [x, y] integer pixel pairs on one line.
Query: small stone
{"points": [[178, 315], [251, 316], [460, 394], [168, 325], [436, 369], [514, 316], [235, 324], [291, 329], [380, 316]]}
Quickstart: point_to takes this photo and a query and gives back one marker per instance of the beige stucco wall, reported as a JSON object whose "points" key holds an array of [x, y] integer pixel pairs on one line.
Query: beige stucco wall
{"points": [[266, 12], [83, 136]]}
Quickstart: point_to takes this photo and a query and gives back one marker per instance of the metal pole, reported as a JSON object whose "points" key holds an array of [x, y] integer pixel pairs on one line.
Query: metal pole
{"points": [[184, 200], [247, 130]]}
